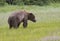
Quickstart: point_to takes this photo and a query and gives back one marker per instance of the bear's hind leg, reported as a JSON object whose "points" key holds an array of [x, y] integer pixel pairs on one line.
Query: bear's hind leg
{"points": [[15, 24], [10, 26]]}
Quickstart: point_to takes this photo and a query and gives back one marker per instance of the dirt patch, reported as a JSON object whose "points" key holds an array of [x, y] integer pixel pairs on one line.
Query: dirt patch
{"points": [[51, 38]]}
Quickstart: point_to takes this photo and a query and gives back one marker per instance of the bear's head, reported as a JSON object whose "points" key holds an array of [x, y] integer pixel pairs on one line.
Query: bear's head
{"points": [[31, 17]]}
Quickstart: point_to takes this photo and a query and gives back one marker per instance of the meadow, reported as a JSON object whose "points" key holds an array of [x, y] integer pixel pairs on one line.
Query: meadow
{"points": [[47, 23]]}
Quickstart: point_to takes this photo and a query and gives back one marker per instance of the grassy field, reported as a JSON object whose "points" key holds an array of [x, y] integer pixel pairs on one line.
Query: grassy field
{"points": [[48, 23]]}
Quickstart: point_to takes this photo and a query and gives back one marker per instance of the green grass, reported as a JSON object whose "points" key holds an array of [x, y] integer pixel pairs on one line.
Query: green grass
{"points": [[48, 23]]}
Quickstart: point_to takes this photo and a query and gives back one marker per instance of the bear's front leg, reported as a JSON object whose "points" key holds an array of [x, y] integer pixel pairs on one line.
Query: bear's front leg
{"points": [[25, 23], [18, 24]]}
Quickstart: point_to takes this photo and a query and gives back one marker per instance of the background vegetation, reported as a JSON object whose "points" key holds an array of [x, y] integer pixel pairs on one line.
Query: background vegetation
{"points": [[30, 2]]}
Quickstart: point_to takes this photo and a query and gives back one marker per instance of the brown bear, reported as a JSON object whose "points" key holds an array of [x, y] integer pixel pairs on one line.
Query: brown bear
{"points": [[18, 17]]}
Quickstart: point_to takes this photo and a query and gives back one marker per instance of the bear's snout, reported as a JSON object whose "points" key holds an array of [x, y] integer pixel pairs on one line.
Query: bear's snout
{"points": [[34, 20]]}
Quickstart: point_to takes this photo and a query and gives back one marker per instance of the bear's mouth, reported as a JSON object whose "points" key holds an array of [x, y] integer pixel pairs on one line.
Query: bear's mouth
{"points": [[34, 20]]}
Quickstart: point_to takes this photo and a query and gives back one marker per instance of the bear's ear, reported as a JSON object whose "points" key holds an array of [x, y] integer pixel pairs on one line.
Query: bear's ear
{"points": [[30, 15]]}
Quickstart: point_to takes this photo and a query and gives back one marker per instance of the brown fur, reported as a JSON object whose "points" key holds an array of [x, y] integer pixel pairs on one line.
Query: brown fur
{"points": [[16, 18]]}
